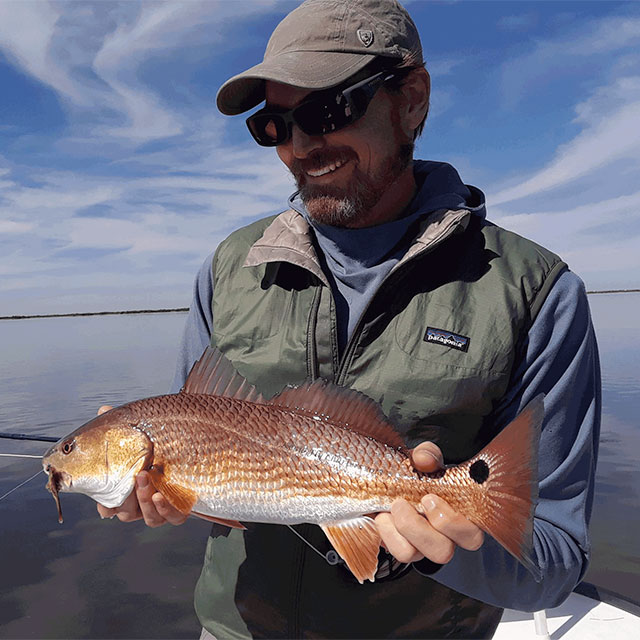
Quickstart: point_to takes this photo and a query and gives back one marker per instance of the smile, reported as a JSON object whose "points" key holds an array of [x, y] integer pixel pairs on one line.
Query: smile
{"points": [[316, 173]]}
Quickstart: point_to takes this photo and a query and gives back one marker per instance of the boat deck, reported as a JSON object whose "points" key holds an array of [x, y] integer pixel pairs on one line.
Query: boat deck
{"points": [[579, 618]]}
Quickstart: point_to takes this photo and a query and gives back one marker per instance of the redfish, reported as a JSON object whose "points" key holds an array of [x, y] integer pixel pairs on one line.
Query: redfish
{"points": [[317, 453]]}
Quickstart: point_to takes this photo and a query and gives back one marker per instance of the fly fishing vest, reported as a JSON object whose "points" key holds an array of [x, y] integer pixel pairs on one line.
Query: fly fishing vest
{"points": [[435, 347]]}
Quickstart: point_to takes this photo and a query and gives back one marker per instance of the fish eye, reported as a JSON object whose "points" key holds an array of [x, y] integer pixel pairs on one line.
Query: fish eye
{"points": [[67, 447]]}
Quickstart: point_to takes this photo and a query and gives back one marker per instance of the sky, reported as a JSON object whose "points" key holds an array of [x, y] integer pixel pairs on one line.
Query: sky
{"points": [[118, 175]]}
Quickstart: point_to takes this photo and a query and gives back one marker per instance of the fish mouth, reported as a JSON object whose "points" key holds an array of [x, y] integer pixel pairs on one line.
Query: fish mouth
{"points": [[57, 480]]}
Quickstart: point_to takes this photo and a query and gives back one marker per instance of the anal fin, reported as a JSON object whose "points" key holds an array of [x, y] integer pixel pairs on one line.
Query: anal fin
{"points": [[357, 542]]}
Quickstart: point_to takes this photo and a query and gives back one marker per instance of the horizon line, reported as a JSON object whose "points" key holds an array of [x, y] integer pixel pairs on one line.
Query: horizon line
{"points": [[185, 309]]}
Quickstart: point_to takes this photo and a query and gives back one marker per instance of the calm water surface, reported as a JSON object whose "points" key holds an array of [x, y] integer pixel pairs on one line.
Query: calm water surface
{"points": [[90, 578]]}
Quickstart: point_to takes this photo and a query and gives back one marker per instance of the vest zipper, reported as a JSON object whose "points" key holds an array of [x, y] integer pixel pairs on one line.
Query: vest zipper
{"points": [[312, 350], [353, 340]]}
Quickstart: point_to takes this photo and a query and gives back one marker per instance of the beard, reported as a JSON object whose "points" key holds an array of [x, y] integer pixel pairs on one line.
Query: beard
{"points": [[342, 206]]}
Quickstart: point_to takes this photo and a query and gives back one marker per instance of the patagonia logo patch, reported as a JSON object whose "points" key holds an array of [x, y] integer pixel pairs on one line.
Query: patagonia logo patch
{"points": [[447, 338]]}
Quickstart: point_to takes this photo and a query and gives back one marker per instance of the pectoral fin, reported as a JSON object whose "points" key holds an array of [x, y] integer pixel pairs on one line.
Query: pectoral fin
{"points": [[178, 497], [357, 542], [234, 524]]}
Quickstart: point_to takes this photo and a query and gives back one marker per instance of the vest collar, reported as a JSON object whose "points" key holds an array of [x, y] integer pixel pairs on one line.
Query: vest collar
{"points": [[288, 239]]}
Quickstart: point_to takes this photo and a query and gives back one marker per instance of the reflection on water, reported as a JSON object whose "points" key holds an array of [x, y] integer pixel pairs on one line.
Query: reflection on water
{"points": [[615, 525], [86, 578], [90, 578]]}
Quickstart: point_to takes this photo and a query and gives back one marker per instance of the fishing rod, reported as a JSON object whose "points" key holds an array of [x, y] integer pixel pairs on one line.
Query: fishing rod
{"points": [[24, 436]]}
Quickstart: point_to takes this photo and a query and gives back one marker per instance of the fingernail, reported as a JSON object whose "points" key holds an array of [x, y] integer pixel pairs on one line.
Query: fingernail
{"points": [[438, 459], [428, 503], [142, 481]]}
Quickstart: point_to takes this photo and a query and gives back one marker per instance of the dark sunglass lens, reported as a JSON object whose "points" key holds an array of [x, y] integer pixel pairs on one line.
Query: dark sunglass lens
{"points": [[323, 114], [268, 129], [360, 101]]}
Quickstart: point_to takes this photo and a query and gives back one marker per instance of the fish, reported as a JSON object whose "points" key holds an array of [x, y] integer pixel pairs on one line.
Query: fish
{"points": [[315, 453]]}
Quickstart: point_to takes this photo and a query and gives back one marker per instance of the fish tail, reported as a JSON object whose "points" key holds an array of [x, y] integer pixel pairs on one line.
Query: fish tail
{"points": [[508, 467]]}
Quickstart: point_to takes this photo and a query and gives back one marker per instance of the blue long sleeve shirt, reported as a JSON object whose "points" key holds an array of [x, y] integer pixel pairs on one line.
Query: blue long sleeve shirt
{"points": [[561, 358]]}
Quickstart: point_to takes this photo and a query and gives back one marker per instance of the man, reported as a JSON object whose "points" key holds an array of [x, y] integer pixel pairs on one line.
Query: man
{"points": [[377, 252]]}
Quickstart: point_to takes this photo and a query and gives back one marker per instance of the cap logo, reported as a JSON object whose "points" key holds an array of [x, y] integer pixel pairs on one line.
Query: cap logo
{"points": [[365, 36]]}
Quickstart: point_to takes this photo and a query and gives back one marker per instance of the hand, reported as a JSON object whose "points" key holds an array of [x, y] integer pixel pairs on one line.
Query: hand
{"points": [[410, 536], [143, 503]]}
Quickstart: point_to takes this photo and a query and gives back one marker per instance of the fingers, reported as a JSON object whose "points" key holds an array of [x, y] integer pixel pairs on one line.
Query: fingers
{"points": [[104, 408], [451, 524], [144, 493], [419, 532], [128, 511], [395, 543], [155, 508], [410, 536], [427, 457], [144, 503]]}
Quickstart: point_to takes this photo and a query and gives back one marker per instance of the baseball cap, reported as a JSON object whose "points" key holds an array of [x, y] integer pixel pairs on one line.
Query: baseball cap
{"points": [[320, 44]]}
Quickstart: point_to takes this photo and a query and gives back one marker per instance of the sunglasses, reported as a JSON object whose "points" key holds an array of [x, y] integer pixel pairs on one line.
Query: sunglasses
{"points": [[327, 111]]}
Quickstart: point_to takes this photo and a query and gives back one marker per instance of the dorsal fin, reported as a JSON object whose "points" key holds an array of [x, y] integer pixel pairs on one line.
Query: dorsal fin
{"points": [[214, 375], [341, 405]]}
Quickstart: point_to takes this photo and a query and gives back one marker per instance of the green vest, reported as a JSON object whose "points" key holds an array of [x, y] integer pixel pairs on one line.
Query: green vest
{"points": [[435, 347]]}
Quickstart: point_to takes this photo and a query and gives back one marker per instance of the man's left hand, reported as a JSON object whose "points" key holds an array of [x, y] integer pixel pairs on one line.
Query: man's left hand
{"points": [[410, 536]]}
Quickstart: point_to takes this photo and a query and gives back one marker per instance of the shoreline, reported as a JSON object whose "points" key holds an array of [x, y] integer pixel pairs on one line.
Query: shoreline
{"points": [[185, 309], [93, 313]]}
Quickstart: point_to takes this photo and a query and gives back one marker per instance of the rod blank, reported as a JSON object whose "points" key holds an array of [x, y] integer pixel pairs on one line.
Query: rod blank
{"points": [[24, 436]]}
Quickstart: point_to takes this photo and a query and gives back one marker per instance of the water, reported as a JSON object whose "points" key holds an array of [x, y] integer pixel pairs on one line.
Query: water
{"points": [[90, 578], [615, 525], [87, 578]]}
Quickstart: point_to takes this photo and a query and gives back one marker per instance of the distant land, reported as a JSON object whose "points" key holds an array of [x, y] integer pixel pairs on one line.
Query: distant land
{"points": [[185, 309], [94, 313]]}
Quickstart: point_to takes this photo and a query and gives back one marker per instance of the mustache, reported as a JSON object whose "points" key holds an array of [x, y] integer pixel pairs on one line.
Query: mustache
{"points": [[319, 159]]}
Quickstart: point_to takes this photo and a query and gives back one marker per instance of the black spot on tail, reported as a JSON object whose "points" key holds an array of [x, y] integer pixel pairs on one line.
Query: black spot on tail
{"points": [[479, 471]]}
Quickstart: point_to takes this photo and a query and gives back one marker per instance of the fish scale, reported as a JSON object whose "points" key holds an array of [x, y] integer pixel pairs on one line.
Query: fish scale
{"points": [[317, 453]]}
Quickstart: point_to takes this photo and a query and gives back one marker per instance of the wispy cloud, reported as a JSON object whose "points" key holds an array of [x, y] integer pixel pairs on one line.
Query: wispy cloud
{"points": [[558, 205], [138, 178], [90, 53], [576, 45], [27, 30], [610, 133]]}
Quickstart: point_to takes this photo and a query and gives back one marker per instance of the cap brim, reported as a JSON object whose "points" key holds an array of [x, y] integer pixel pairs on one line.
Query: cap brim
{"points": [[304, 69]]}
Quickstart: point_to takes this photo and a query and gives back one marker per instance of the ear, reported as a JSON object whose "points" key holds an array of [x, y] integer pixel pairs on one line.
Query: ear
{"points": [[416, 90]]}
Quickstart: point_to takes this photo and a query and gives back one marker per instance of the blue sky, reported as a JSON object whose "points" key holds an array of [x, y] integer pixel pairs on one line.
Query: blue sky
{"points": [[118, 176]]}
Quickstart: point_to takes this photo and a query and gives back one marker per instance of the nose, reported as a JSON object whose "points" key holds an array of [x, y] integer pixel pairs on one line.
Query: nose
{"points": [[303, 144]]}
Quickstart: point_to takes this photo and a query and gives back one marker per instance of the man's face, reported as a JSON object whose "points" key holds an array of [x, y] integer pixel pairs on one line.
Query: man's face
{"points": [[346, 176]]}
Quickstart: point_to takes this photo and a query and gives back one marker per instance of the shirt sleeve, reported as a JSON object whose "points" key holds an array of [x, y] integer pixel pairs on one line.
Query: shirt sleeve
{"points": [[561, 361], [197, 331]]}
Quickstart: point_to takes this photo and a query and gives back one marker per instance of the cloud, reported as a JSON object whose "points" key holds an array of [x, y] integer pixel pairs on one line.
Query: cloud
{"points": [[598, 240], [610, 133], [157, 226], [10, 226], [26, 33], [439, 67], [90, 53], [578, 46]]}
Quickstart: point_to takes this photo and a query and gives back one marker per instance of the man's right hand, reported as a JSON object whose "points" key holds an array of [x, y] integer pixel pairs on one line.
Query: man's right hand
{"points": [[143, 503]]}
